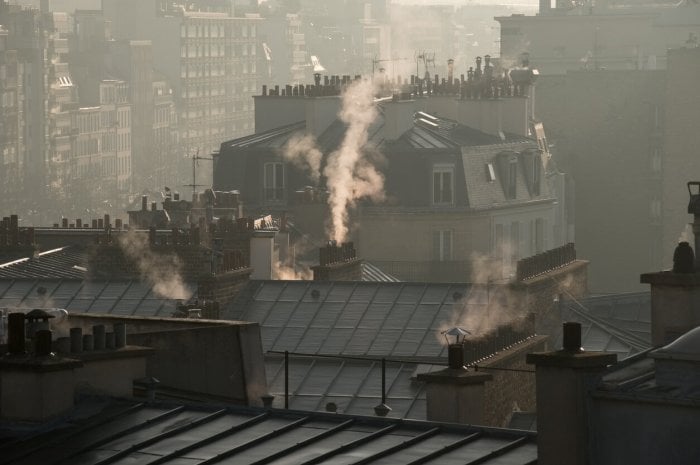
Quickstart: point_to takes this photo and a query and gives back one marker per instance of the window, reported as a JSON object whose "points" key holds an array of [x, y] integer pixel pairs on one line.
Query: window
{"points": [[515, 240], [539, 235], [490, 172], [536, 175], [274, 181], [512, 176], [498, 241], [442, 245], [443, 190]]}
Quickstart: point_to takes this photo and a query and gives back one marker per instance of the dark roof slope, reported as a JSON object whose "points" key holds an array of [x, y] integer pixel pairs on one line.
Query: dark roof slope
{"points": [[161, 433], [110, 297], [353, 318], [64, 262]]}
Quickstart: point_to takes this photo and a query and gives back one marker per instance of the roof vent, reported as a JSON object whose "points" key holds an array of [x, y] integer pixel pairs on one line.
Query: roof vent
{"points": [[315, 293]]}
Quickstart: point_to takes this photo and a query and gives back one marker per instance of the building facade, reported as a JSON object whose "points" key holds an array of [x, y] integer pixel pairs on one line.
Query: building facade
{"points": [[209, 57]]}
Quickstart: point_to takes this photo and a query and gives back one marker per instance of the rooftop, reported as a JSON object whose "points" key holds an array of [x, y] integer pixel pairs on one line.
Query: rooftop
{"points": [[337, 333], [108, 432]]}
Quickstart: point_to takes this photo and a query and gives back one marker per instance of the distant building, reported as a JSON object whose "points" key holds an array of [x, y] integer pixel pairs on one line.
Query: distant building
{"points": [[209, 57], [593, 35], [12, 120], [476, 179]]}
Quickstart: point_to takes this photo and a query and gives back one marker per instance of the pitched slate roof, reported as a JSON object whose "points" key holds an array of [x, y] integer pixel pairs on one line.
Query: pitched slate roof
{"points": [[110, 297], [179, 434], [483, 193]]}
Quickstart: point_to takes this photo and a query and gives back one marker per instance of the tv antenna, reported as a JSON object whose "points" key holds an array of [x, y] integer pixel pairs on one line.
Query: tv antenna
{"points": [[428, 58], [376, 61], [195, 164]]}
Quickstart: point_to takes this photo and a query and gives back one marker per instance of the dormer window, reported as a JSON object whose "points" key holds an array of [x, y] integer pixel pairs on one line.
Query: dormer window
{"points": [[443, 185]]}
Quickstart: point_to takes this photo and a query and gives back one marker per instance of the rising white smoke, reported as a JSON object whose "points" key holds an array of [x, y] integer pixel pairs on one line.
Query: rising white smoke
{"points": [[302, 152], [350, 172], [288, 272], [162, 271]]}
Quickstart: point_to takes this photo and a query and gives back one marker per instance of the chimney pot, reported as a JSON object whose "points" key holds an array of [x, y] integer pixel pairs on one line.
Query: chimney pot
{"points": [[76, 340], [683, 258], [455, 356], [572, 336], [119, 335], [42, 343], [15, 336]]}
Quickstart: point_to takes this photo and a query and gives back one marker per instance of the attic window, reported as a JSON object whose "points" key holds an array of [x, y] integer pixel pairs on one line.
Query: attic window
{"points": [[490, 172]]}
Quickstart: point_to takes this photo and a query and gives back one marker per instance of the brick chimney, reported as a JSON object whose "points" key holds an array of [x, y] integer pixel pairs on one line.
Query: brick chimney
{"points": [[455, 394], [338, 263], [564, 378], [675, 294], [318, 104]]}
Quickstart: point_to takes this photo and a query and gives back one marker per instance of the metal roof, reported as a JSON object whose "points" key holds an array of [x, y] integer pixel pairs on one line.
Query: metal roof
{"points": [[365, 321], [110, 297], [353, 317], [618, 323], [439, 134], [178, 434], [63, 262]]}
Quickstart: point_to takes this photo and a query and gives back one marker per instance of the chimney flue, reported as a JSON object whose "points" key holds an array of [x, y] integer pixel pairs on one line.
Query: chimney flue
{"points": [[15, 336], [572, 337]]}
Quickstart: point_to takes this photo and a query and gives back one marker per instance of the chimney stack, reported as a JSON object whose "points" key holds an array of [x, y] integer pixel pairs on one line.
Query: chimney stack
{"points": [[675, 293], [455, 394], [564, 378]]}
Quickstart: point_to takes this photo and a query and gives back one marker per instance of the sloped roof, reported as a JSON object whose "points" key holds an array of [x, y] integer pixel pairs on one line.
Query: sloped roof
{"points": [[618, 323], [63, 262], [337, 333], [353, 318], [273, 139], [443, 134], [483, 193], [107, 297], [174, 433]]}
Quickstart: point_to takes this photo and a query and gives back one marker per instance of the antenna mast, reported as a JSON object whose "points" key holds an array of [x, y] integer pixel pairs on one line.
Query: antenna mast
{"points": [[194, 185]]}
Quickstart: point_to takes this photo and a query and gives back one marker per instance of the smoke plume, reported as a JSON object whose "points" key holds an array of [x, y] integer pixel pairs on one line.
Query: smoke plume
{"points": [[350, 171], [288, 272], [302, 152], [163, 272]]}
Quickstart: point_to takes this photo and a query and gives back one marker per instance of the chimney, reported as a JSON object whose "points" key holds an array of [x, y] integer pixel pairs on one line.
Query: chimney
{"points": [[398, 117], [144, 203], [564, 378], [455, 394], [338, 263], [38, 387], [675, 293]]}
